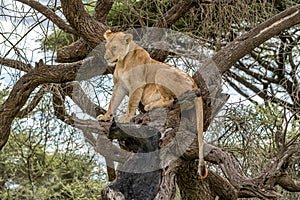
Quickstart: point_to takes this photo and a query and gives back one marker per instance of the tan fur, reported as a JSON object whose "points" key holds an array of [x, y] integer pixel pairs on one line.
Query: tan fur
{"points": [[148, 81]]}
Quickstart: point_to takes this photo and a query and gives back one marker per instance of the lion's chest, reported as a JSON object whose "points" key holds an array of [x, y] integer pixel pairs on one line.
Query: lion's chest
{"points": [[130, 79]]}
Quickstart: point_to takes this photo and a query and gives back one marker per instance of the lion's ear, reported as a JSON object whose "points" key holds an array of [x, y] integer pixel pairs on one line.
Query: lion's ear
{"points": [[128, 38], [107, 33]]}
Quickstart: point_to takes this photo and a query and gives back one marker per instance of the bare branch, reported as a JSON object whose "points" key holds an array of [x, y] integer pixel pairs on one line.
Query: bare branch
{"points": [[15, 64], [38, 96], [238, 89], [244, 44], [173, 14], [47, 12], [241, 66], [41, 74], [261, 93]]}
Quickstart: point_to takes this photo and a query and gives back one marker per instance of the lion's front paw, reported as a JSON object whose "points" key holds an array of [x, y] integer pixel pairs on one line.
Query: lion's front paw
{"points": [[148, 107], [104, 118]]}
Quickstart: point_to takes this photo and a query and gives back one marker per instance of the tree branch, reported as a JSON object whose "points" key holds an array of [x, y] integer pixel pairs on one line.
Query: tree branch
{"points": [[238, 89], [90, 29], [173, 14], [47, 12], [102, 9], [241, 66], [288, 183], [87, 26], [15, 64], [166, 21], [76, 51], [38, 96], [42, 74], [237, 180], [261, 93], [78, 95], [244, 44]]}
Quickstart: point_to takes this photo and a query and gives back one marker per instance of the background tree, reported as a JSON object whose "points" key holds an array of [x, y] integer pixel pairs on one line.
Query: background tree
{"points": [[255, 50], [41, 161]]}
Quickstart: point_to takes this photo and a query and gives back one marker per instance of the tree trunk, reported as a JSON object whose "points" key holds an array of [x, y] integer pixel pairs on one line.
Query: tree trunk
{"points": [[172, 132], [190, 185]]}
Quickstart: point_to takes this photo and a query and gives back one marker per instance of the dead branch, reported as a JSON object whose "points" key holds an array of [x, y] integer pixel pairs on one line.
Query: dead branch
{"points": [[21, 91]]}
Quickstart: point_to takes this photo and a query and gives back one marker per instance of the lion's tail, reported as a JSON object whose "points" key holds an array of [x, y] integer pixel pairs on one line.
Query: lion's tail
{"points": [[202, 170]]}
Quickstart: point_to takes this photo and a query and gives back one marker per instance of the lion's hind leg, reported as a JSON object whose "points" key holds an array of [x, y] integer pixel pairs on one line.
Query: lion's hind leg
{"points": [[159, 103]]}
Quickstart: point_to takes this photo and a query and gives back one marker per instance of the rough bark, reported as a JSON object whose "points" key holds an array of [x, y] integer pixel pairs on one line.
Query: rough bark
{"points": [[78, 50], [190, 185], [87, 26], [102, 9], [90, 29]]}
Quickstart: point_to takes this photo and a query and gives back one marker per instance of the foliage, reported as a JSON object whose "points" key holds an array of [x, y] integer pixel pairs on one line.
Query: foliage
{"points": [[28, 171], [254, 134], [35, 166], [57, 40], [226, 17], [3, 94], [248, 128]]}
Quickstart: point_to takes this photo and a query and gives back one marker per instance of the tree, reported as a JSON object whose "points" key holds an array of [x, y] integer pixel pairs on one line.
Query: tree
{"points": [[226, 27], [35, 164], [29, 172]]}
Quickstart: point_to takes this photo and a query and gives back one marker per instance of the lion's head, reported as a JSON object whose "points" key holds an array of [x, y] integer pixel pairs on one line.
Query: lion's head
{"points": [[117, 46]]}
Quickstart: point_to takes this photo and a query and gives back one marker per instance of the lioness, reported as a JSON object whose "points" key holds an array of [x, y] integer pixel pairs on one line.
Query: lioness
{"points": [[147, 81]]}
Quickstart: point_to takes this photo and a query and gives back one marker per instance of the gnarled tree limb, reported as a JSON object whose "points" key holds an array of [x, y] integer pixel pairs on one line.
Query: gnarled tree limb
{"points": [[87, 26], [41, 74], [15, 64]]}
